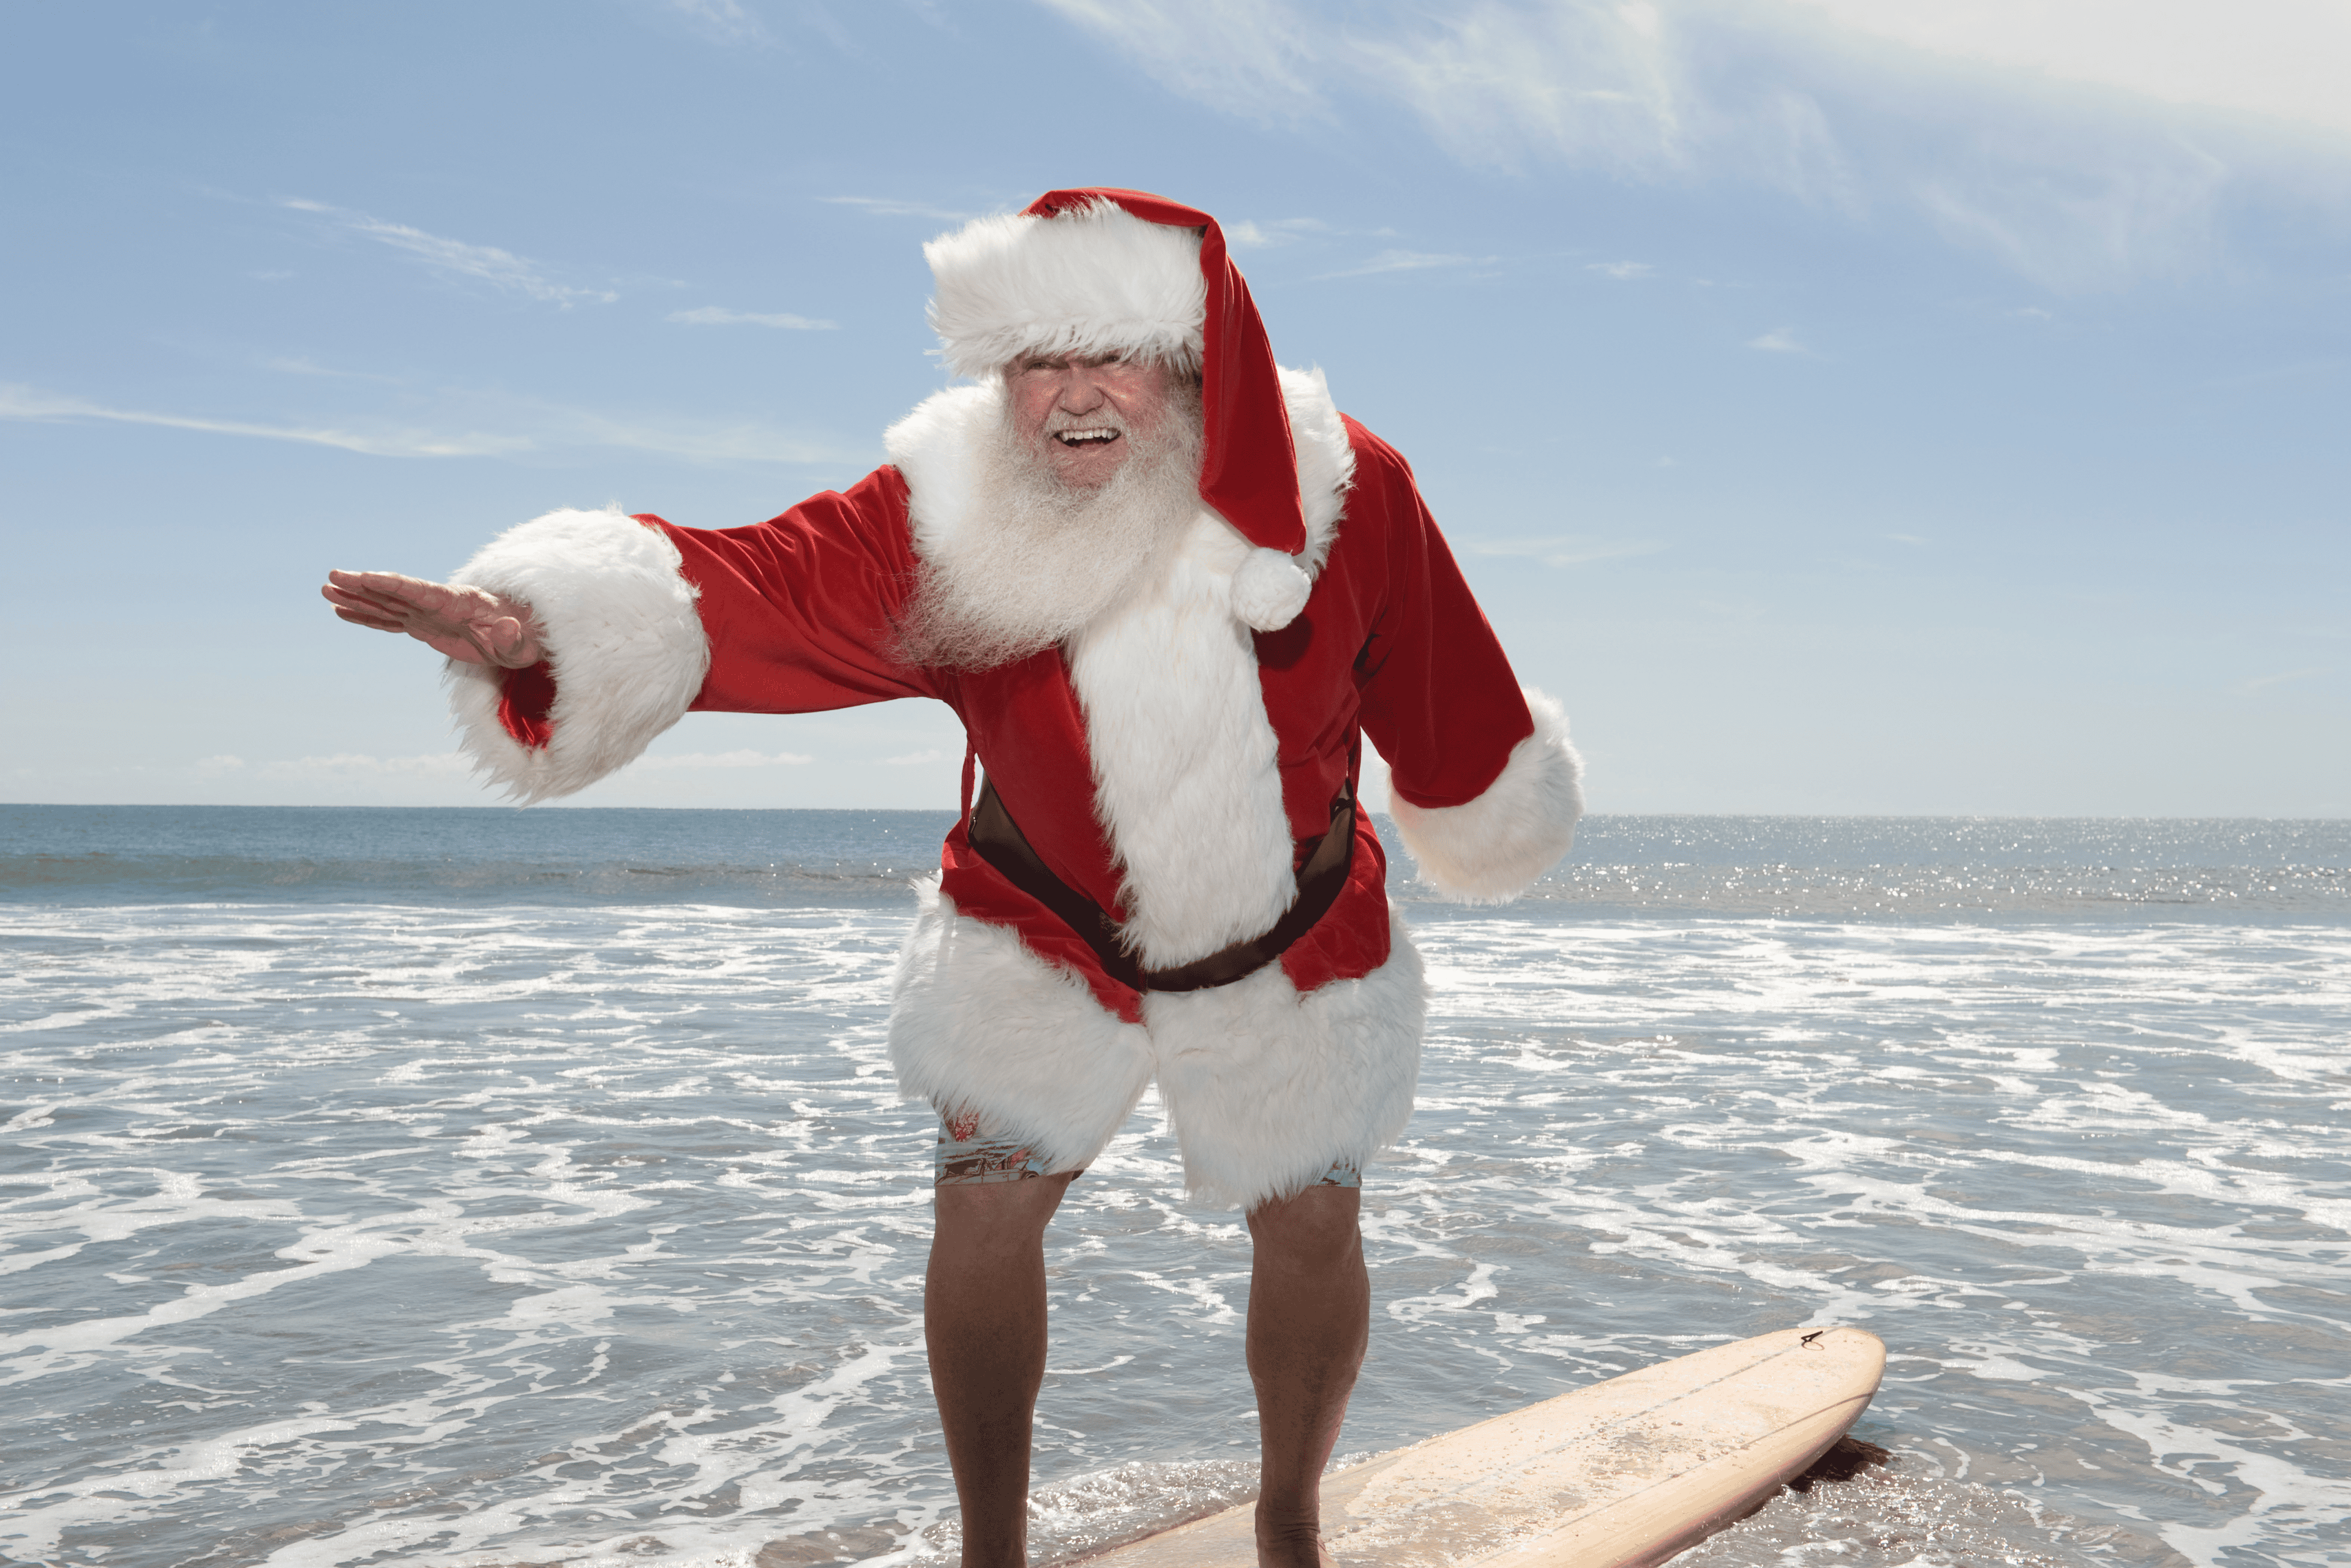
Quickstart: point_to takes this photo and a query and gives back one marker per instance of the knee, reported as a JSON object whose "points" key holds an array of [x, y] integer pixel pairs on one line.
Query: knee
{"points": [[1313, 1231], [996, 1216]]}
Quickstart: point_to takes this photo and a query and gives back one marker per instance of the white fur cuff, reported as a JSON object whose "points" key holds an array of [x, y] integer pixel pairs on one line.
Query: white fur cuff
{"points": [[1491, 848], [623, 637]]}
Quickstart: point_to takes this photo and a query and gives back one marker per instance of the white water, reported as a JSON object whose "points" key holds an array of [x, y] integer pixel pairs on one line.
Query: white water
{"points": [[341, 1233]]}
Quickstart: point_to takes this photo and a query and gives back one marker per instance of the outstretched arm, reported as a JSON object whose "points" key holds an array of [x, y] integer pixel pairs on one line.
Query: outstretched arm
{"points": [[471, 625], [576, 638]]}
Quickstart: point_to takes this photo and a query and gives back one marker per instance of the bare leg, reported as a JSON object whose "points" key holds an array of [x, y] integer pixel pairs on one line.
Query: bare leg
{"points": [[984, 1321], [1309, 1320]]}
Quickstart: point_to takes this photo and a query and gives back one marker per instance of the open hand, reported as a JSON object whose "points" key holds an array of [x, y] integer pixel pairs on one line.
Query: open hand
{"points": [[472, 624]]}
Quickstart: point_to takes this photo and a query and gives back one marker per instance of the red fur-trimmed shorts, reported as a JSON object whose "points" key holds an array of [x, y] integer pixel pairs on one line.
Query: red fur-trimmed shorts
{"points": [[969, 1154]]}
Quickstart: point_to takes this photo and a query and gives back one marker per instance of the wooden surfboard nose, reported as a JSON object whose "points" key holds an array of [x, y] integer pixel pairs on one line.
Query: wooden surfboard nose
{"points": [[1623, 1473]]}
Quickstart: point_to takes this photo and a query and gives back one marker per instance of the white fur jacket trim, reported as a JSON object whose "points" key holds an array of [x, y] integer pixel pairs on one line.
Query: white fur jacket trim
{"points": [[1185, 771], [622, 637], [938, 448], [1267, 1088], [1491, 848]]}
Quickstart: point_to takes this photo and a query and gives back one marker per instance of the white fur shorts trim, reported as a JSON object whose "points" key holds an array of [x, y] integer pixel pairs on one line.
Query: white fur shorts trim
{"points": [[1269, 1088]]}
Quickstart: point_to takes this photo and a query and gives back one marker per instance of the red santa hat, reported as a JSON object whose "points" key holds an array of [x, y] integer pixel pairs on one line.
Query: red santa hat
{"points": [[1101, 271]]}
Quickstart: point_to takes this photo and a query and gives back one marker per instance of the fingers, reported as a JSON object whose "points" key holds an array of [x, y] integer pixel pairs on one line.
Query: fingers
{"points": [[340, 595], [362, 613], [466, 623], [446, 601], [391, 583], [385, 585]]}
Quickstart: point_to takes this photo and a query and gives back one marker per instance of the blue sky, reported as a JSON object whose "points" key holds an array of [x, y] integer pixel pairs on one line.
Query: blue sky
{"points": [[1841, 407]]}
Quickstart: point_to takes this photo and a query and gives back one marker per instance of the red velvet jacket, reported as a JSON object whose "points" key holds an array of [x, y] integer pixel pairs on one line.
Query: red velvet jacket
{"points": [[799, 611]]}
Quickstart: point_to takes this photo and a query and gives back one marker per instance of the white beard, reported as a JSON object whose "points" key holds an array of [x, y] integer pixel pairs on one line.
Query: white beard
{"points": [[1042, 558]]}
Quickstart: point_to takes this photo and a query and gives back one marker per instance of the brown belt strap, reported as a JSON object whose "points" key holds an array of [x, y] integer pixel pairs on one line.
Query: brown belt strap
{"points": [[1000, 842]]}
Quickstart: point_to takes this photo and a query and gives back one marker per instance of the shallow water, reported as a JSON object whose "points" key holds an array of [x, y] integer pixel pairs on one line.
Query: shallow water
{"points": [[1904, 868], [342, 1231]]}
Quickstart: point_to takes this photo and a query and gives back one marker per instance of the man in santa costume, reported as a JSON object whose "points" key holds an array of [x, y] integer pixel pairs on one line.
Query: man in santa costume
{"points": [[1169, 589]]}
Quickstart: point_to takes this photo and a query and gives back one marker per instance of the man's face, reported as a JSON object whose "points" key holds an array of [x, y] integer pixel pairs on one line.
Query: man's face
{"points": [[1076, 415]]}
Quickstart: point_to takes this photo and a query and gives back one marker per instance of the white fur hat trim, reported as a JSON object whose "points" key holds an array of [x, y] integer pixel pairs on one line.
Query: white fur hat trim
{"points": [[1092, 280], [1269, 590]]}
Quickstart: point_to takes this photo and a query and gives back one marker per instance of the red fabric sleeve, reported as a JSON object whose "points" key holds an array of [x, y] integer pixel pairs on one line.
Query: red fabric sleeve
{"points": [[527, 697], [800, 609], [1439, 696]]}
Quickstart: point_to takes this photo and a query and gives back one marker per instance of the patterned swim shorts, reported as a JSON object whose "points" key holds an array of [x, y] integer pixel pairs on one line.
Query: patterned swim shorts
{"points": [[967, 1153]]}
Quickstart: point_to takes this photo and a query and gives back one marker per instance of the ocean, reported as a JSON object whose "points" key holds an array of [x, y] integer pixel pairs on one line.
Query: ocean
{"points": [[482, 1187]]}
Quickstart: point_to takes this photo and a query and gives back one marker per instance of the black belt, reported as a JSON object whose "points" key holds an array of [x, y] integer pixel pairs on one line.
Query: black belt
{"points": [[1000, 842]]}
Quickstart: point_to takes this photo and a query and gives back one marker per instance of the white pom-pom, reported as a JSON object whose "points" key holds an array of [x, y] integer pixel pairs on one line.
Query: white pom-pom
{"points": [[1268, 591]]}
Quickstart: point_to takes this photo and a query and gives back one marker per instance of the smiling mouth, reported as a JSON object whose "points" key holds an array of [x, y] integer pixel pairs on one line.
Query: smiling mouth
{"points": [[1078, 439]]}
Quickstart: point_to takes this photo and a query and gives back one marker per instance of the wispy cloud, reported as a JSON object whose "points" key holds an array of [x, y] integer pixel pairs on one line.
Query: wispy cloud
{"points": [[1403, 261], [295, 365], [30, 403], [2259, 683], [486, 263], [2282, 60], [1569, 549], [725, 20], [1592, 85], [1779, 341], [888, 207], [1621, 271], [1593, 81], [2291, 370], [1256, 58], [1247, 233], [693, 442], [702, 759], [912, 759], [493, 426], [345, 765], [1960, 113], [717, 315], [454, 765]]}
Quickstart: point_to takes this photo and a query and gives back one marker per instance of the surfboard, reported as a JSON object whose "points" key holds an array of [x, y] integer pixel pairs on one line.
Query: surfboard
{"points": [[1623, 1473]]}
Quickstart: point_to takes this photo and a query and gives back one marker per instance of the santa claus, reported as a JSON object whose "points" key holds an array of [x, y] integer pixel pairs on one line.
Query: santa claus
{"points": [[1169, 589]]}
